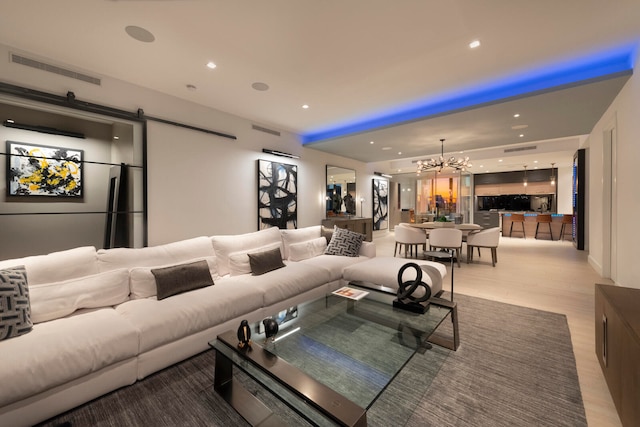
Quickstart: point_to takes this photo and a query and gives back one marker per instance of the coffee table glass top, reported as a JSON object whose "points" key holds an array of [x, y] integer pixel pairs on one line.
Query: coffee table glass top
{"points": [[355, 348]]}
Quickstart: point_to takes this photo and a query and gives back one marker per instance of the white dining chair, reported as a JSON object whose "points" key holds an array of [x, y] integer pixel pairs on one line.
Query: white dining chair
{"points": [[489, 238], [448, 239], [409, 238]]}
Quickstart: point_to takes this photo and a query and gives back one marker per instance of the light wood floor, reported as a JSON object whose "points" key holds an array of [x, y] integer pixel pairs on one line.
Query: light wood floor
{"points": [[545, 275]]}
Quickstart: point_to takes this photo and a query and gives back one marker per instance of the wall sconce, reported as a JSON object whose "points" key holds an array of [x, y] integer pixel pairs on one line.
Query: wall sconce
{"points": [[280, 153]]}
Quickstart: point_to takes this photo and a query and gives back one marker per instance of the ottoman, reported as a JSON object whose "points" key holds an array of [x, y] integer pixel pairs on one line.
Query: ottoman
{"points": [[384, 271]]}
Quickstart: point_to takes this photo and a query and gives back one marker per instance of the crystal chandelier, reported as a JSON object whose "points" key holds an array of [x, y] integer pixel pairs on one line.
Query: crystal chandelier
{"points": [[459, 164]]}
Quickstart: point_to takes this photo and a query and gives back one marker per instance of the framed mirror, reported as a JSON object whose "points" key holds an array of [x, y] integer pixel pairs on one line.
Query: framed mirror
{"points": [[341, 192]]}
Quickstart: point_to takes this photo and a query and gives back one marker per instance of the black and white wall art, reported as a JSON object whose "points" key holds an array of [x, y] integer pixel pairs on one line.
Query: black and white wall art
{"points": [[380, 204], [277, 195]]}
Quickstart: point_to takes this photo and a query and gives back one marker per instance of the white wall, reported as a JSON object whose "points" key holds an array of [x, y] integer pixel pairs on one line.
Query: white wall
{"points": [[201, 184], [623, 115]]}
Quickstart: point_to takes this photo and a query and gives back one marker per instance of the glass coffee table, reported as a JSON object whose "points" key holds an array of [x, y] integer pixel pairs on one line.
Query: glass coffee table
{"points": [[332, 357]]}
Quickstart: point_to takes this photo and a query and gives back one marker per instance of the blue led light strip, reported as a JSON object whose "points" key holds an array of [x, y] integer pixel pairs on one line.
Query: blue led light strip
{"points": [[599, 66]]}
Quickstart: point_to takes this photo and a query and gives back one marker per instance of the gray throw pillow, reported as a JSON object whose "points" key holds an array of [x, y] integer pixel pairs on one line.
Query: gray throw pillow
{"points": [[327, 233], [15, 309], [264, 262], [344, 242], [181, 278]]}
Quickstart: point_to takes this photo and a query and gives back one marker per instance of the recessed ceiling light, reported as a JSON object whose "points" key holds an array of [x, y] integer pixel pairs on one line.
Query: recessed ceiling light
{"points": [[211, 65], [474, 44], [260, 86], [481, 166], [516, 115], [500, 160], [535, 161], [191, 87], [399, 170], [399, 153], [140, 34], [116, 137], [371, 142], [521, 135], [305, 106]]}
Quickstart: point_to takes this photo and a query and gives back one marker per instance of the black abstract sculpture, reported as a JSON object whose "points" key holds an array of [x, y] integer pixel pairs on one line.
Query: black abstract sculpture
{"points": [[244, 335], [406, 298], [270, 328]]}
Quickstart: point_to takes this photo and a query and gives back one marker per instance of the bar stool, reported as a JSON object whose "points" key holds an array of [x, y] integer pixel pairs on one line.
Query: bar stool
{"points": [[543, 219], [517, 218], [566, 220]]}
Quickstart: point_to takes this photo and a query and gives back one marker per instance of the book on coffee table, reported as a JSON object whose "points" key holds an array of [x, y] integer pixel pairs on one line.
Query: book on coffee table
{"points": [[351, 293]]}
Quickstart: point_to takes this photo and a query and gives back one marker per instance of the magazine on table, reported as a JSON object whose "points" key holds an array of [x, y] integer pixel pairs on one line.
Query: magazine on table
{"points": [[351, 293]]}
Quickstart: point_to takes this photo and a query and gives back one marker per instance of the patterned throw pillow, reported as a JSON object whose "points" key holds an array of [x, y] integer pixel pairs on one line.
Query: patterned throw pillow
{"points": [[345, 243], [15, 310]]}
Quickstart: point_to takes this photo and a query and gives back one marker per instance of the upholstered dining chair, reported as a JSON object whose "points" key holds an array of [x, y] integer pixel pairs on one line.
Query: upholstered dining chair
{"points": [[447, 238], [409, 238], [489, 238]]}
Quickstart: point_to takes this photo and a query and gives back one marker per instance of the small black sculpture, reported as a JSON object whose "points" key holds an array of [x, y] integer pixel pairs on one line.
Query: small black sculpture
{"points": [[405, 298], [244, 335], [270, 328]]}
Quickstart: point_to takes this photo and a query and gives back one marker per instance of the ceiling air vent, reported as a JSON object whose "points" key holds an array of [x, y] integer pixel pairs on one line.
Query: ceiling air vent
{"points": [[265, 130], [513, 150], [19, 59]]}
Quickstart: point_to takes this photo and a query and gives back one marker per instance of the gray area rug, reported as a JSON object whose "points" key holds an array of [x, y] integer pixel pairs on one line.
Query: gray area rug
{"points": [[515, 367]]}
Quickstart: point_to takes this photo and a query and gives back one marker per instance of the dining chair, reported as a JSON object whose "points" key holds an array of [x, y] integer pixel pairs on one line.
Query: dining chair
{"points": [[409, 238], [447, 238], [489, 238]]}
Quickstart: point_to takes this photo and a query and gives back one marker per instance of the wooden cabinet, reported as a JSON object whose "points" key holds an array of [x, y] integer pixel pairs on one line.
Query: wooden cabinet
{"points": [[359, 225], [618, 347]]}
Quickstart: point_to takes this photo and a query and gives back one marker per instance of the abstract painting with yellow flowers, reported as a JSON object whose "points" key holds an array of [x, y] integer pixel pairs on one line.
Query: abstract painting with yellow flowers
{"points": [[39, 170]]}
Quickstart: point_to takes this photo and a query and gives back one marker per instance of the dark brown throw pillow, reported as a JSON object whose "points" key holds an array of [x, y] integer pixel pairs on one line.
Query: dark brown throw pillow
{"points": [[264, 262], [181, 278], [327, 233]]}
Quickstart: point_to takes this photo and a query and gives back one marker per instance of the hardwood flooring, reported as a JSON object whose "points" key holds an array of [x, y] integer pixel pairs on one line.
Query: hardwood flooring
{"points": [[545, 275]]}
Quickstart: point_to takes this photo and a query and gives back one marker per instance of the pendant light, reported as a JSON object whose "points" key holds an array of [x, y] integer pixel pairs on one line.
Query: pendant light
{"points": [[525, 181], [553, 175]]}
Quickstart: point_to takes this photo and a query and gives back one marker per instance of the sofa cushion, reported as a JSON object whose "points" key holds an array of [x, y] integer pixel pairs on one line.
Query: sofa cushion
{"points": [[54, 300], [279, 285], [290, 237], [345, 243], [307, 249], [58, 266], [143, 282], [155, 256], [327, 233], [180, 278], [55, 353], [226, 245], [15, 311], [168, 320], [239, 261], [265, 261], [333, 264]]}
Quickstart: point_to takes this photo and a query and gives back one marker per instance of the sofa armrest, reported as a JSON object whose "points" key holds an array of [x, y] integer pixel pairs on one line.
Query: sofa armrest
{"points": [[368, 249]]}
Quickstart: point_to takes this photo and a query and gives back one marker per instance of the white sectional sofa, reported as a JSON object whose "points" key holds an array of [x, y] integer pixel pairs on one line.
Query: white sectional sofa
{"points": [[98, 324]]}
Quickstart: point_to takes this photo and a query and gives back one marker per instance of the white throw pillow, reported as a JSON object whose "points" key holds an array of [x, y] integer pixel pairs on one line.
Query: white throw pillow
{"points": [[290, 237], [226, 245], [54, 300], [239, 261], [143, 282], [309, 249]]}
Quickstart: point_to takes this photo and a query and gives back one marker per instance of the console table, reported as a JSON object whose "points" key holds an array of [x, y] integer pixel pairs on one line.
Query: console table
{"points": [[618, 347], [359, 225]]}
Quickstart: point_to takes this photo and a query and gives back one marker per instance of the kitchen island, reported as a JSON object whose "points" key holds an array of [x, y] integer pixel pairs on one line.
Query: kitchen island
{"points": [[530, 222]]}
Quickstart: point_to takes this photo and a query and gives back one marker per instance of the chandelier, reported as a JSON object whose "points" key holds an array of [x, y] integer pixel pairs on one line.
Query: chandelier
{"points": [[459, 164]]}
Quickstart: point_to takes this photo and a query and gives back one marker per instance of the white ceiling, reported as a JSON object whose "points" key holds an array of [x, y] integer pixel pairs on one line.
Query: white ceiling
{"points": [[348, 60]]}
